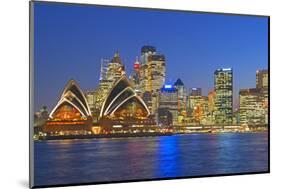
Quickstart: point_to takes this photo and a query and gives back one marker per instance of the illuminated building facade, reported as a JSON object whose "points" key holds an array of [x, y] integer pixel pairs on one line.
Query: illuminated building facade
{"points": [[115, 68], [195, 91], [224, 96], [135, 77], [111, 71], [123, 107], [262, 84], [262, 79], [152, 69], [165, 117], [182, 103], [252, 109], [198, 107], [211, 105], [253, 103], [168, 98], [71, 115]]}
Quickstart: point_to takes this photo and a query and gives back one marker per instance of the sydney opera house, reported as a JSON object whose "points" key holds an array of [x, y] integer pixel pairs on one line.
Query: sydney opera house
{"points": [[123, 109], [72, 114]]}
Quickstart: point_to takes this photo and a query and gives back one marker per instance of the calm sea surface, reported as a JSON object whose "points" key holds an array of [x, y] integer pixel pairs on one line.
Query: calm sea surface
{"points": [[98, 160]]}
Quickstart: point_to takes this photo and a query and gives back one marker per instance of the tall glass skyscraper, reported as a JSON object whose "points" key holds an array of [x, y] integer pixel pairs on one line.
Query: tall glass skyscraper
{"points": [[152, 70], [224, 96]]}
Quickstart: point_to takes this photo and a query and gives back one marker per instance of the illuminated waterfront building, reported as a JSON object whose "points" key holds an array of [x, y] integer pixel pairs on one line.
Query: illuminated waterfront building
{"points": [[253, 103], [123, 107], [194, 99], [198, 107], [182, 104], [224, 96], [41, 117], [262, 84], [211, 106], [71, 115], [168, 98], [165, 117], [211, 101], [252, 109]]}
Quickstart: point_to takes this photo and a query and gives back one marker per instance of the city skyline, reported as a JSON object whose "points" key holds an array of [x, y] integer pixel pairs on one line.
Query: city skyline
{"points": [[55, 53]]}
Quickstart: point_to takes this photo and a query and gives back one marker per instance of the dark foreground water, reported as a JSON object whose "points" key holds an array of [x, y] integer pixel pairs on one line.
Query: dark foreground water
{"points": [[99, 160]]}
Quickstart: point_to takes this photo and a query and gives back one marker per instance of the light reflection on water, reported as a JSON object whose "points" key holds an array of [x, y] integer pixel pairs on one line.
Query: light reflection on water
{"points": [[97, 160]]}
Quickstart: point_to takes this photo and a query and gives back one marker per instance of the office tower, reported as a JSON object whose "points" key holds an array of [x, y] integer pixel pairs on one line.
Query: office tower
{"points": [[115, 68], [224, 96], [168, 98], [211, 105], [211, 101], [252, 109], [111, 71], [181, 96], [262, 84], [197, 107], [165, 117], [135, 76], [152, 70], [195, 91], [262, 79]]}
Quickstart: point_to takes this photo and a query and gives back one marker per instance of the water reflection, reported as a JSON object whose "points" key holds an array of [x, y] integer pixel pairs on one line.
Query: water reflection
{"points": [[96, 160]]}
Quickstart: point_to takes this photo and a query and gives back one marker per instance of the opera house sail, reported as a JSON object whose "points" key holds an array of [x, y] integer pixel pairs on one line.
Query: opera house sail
{"points": [[71, 115], [123, 107]]}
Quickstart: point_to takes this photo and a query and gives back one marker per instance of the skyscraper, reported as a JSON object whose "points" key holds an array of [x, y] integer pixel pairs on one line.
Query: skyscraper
{"points": [[115, 68], [194, 91], [224, 96], [145, 72], [153, 69], [168, 98], [135, 76], [252, 109], [181, 96], [211, 105], [262, 84], [262, 79]]}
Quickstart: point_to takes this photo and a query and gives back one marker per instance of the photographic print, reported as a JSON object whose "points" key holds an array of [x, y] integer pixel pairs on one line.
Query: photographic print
{"points": [[121, 94]]}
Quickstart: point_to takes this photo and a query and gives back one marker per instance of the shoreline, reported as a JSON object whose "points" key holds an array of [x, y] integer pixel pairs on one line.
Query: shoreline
{"points": [[128, 135]]}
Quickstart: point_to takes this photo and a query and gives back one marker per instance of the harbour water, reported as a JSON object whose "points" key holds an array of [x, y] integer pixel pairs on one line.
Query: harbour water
{"points": [[116, 159]]}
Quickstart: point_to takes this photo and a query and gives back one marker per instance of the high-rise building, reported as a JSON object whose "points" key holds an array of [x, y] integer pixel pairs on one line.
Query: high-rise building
{"points": [[211, 101], [182, 104], [135, 76], [111, 71], [168, 98], [224, 96], [145, 72], [262, 79], [115, 68], [262, 84], [157, 73], [252, 109], [197, 106], [152, 70], [165, 117], [211, 106], [195, 91]]}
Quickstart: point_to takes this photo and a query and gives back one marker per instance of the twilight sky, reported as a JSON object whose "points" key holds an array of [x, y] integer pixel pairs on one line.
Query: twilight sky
{"points": [[70, 41]]}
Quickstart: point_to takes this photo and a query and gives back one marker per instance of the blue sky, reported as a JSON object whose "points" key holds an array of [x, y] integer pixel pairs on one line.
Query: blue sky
{"points": [[70, 41]]}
